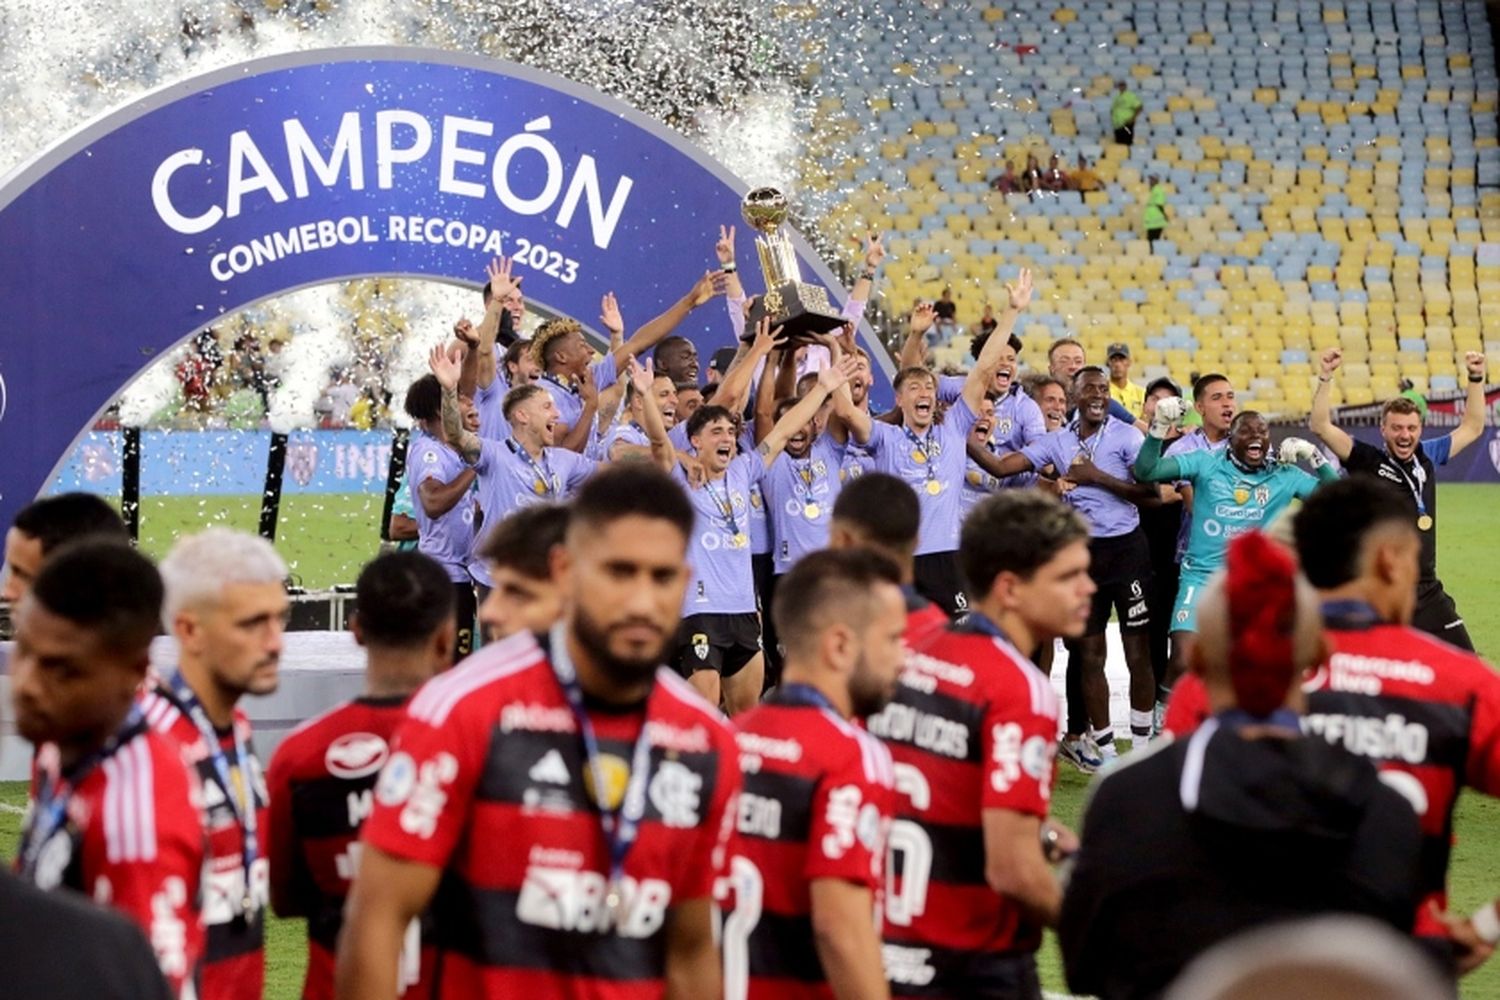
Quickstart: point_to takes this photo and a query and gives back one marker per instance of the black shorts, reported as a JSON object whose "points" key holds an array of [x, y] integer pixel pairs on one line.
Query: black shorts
{"points": [[1121, 568], [1437, 615], [1125, 135], [721, 643], [938, 578]]}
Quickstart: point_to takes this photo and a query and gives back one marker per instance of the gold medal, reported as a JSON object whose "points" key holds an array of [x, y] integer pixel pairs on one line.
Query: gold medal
{"points": [[1424, 523], [739, 540], [614, 901], [811, 511], [919, 456], [539, 487], [934, 487]]}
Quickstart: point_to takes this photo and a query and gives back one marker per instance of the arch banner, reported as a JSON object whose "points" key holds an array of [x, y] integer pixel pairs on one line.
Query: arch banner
{"points": [[215, 193]]}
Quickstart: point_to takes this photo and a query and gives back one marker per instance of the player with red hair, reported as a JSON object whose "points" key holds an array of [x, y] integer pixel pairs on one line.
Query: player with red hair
{"points": [[1247, 821]]}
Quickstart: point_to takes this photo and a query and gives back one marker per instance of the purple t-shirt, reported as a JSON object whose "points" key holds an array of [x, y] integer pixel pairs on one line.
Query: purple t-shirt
{"points": [[626, 433], [721, 582], [1193, 440], [933, 464], [1018, 419], [1113, 448], [446, 539], [793, 488], [509, 480], [569, 403], [490, 402]]}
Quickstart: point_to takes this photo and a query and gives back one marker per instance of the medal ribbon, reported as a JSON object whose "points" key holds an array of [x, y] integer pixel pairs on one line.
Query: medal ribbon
{"points": [[726, 507], [1416, 482], [51, 808], [622, 826], [564, 386], [543, 472], [924, 445], [243, 807], [803, 694]]}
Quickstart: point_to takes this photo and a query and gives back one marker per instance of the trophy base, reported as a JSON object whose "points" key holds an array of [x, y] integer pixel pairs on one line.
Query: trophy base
{"points": [[800, 309]]}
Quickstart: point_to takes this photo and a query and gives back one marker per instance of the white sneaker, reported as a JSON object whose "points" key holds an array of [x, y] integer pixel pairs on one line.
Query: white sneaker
{"points": [[1081, 753]]}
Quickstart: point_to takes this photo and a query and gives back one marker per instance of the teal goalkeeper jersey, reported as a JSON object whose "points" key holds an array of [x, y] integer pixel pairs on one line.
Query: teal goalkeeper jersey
{"points": [[1228, 501]]}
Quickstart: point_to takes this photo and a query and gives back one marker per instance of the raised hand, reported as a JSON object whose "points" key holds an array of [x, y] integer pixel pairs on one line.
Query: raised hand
{"points": [[1295, 449], [502, 282], [711, 284], [725, 247], [609, 315], [1020, 292], [922, 317], [642, 375], [1474, 363], [874, 250], [832, 378], [1330, 361], [464, 331], [1168, 416], [766, 339], [444, 366]]}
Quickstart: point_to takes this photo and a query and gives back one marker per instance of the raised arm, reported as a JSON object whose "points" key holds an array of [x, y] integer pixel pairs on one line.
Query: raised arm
{"points": [[502, 285], [1320, 421], [468, 371], [734, 387], [577, 437], [724, 250], [1472, 427], [766, 395], [1150, 466], [446, 368], [648, 336], [874, 255], [798, 416], [914, 350], [982, 375], [642, 378]]}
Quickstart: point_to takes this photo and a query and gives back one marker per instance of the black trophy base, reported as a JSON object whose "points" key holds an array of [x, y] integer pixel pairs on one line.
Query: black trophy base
{"points": [[801, 310]]}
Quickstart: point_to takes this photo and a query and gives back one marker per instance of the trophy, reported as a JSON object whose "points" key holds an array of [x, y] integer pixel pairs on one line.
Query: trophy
{"points": [[799, 308]]}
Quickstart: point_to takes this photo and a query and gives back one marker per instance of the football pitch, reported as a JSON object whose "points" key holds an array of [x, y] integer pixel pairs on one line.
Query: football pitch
{"points": [[325, 539]]}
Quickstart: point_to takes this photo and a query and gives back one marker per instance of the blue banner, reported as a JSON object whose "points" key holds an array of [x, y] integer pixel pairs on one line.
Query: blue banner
{"points": [[211, 195]]}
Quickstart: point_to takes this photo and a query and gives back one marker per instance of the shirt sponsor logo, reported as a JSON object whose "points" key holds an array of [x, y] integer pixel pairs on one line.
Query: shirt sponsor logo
{"points": [[675, 792], [536, 718], [670, 737], [1367, 674], [397, 780], [841, 816], [355, 755], [1391, 738], [908, 966], [550, 770], [569, 899], [933, 733], [428, 797], [758, 816]]}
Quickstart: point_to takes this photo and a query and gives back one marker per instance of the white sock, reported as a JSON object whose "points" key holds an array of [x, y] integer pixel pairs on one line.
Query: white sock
{"points": [[1140, 723]]}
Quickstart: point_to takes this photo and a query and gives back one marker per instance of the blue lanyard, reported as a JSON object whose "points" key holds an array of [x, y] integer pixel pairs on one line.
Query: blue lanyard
{"points": [[803, 694], [924, 445], [622, 826], [726, 507], [543, 472], [564, 386], [244, 808], [51, 808], [1414, 483]]}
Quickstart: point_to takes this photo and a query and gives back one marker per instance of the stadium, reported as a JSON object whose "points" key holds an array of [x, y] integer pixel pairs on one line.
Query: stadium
{"points": [[238, 234]]}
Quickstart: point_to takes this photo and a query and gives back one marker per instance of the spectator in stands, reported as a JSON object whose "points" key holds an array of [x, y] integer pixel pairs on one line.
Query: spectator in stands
{"points": [[1083, 178], [946, 311], [1031, 177], [1053, 178], [199, 371], [1006, 182], [988, 322], [1123, 112], [1121, 389], [339, 398], [1155, 216]]}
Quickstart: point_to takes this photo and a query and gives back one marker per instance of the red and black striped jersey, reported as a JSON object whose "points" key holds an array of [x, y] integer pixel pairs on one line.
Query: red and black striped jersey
{"points": [[816, 804], [488, 780], [922, 617], [322, 784], [1427, 714], [235, 962], [133, 840], [973, 727]]}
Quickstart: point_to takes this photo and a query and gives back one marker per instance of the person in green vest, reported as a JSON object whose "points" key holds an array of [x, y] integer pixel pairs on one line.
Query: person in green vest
{"points": [[1155, 216], [1123, 112]]}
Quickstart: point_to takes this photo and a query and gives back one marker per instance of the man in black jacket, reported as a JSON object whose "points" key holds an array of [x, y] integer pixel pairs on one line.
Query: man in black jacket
{"points": [[1244, 823]]}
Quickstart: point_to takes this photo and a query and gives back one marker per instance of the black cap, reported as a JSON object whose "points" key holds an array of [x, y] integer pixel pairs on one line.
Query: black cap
{"points": [[1163, 383], [1118, 350], [722, 359]]}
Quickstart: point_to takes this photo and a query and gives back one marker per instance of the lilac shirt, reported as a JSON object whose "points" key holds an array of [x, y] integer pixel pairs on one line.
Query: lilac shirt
{"points": [[722, 582], [1193, 440], [1113, 448], [627, 433], [569, 403], [894, 449], [447, 538], [490, 402], [793, 485], [508, 481], [1018, 419]]}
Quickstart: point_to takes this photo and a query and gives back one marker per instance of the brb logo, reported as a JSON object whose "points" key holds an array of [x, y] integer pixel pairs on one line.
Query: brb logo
{"points": [[213, 194]]}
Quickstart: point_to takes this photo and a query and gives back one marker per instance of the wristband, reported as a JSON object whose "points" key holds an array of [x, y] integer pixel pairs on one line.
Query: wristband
{"points": [[1050, 837], [729, 268], [1486, 923], [1325, 378], [869, 274], [1476, 379]]}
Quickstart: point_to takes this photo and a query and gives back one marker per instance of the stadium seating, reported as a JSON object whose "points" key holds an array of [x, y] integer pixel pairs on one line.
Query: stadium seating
{"points": [[1331, 168]]}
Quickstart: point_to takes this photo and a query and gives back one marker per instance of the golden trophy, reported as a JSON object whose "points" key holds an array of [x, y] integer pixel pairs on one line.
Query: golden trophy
{"points": [[799, 308]]}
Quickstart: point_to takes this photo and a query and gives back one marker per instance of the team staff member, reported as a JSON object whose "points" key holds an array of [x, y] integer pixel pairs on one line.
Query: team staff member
{"points": [[115, 814], [570, 799], [227, 607], [1097, 452], [323, 774], [1247, 822], [932, 456], [809, 845], [1409, 462], [973, 730]]}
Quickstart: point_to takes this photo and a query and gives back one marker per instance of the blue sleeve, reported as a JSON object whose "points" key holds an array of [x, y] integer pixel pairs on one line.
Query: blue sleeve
{"points": [[1438, 450], [950, 387], [579, 469], [1043, 452], [605, 372], [1118, 411], [1033, 426], [1130, 447], [881, 436]]}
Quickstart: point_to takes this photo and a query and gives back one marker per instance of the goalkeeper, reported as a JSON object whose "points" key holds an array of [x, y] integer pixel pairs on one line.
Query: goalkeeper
{"points": [[1238, 489]]}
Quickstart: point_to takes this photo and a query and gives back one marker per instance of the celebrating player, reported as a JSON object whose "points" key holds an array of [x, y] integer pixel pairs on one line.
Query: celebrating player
{"points": [[518, 553], [115, 813], [227, 607], [805, 866], [323, 774], [571, 800], [973, 731], [1409, 461]]}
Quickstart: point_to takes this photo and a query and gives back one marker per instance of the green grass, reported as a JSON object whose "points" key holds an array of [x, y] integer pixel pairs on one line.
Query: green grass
{"points": [[326, 539]]}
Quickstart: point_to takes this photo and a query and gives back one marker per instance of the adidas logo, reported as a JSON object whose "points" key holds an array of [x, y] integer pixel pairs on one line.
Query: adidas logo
{"points": [[550, 769]]}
